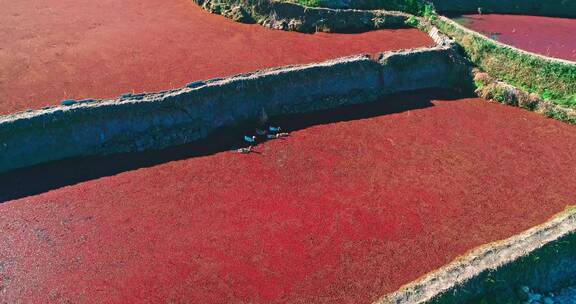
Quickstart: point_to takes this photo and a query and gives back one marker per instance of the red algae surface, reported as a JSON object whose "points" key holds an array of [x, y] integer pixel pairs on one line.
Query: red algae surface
{"points": [[553, 37], [57, 49], [339, 212]]}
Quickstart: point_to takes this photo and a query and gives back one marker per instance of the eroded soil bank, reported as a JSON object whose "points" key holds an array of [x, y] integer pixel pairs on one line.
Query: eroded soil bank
{"points": [[546, 275], [58, 49], [355, 203], [548, 36]]}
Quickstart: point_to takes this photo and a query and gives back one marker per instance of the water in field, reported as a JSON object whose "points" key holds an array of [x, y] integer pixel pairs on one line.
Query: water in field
{"points": [[554, 37]]}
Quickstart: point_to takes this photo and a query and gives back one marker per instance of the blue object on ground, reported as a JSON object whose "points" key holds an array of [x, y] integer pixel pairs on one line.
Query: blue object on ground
{"points": [[68, 102], [195, 84]]}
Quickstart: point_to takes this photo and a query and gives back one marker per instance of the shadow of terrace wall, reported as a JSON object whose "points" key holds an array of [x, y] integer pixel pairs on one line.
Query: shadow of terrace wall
{"points": [[45, 177], [154, 121]]}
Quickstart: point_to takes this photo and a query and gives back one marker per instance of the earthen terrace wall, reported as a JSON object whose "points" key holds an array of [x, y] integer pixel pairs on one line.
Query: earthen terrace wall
{"points": [[294, 17], [157, 120], [542, 256]]}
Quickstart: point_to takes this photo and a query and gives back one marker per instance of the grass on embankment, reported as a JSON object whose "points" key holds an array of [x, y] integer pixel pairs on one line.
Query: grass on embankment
{"points": [[415, 7], [552, 80]]}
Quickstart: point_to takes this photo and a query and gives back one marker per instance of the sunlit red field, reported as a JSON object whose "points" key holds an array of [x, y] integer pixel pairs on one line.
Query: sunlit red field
{"points": [[57, 49], [355, 203], [544, 35]]}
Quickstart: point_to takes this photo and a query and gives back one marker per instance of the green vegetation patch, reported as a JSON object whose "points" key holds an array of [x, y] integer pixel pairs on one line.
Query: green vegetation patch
{"points": [[416, 7], [314, 3], [552, 80]]}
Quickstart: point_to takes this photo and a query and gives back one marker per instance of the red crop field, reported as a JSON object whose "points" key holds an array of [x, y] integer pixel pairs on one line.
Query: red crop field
{"points": [[57, 49], [544, 35], [356, 202], [345, 209]]}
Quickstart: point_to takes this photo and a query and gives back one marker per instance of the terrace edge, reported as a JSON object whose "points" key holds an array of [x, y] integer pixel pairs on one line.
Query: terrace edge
{"points": [[295, 17], [485, 258], [554, 81], [551, 78], [491, 89]]}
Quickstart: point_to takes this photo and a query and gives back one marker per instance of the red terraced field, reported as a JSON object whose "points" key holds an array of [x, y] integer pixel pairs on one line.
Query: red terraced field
{"points": [[544, 35], [339, 212], [57, 49]]}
